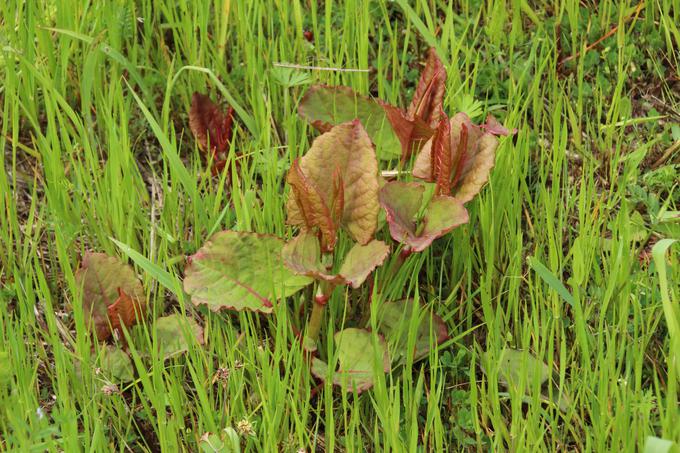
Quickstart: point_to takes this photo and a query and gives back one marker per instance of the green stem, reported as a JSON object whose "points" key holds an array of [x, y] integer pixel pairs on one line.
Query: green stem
{"points": [[316, 318]]}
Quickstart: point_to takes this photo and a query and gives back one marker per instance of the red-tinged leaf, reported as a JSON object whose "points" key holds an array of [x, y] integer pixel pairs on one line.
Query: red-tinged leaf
{"points": [[477, 173], [125, 311], [101, 278], [211, 127], [472, 154], [345, 149], [241, 271], [325, 106], [361, 260], [413, 132], [492, 126], [394, 322], [360, 359], [338, 198], [441, 158], [313, 210], [302, 255], [402, 202], [427, 104]]}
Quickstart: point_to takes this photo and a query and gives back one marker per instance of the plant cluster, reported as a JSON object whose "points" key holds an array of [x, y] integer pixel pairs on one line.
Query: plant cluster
{"points": [[336, 196]]}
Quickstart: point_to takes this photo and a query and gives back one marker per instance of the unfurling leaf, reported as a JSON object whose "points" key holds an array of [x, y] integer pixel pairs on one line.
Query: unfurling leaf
{"points": [[521, 370], [417, 124], [302, 255], [116, 364], [428, 100], [357, 356], [211, 127], [325, 106], [312, 208], [241, 271], [344, 157], [458, 158], [403, 201], [394, 321], [176, 333], [109, 287]]}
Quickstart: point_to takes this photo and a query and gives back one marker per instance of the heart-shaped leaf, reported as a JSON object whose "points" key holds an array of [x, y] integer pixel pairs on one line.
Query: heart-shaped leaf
{"points": [[116, 364], [302, 255], [357, 355], [211, 127], [403, 201], [458, 158], [343, 156], [241, 271], [396, 318], [109, 287], [174, 334], [325, 106], [519, 369]]}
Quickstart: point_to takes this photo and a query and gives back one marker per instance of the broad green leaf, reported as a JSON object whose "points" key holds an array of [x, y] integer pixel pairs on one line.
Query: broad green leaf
{"points": [[403, 201], [344, 156], [361, 260], [173, 334], [302, 255], [116, 364], [325, 106], [519, 369], [655, 444], [101, 277], [396, 318], [458, 158], [357, 356], [226, 442], [241, 271]]}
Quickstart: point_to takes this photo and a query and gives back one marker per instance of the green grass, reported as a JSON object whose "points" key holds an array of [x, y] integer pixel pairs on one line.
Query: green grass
{"points": [[96, 149]]}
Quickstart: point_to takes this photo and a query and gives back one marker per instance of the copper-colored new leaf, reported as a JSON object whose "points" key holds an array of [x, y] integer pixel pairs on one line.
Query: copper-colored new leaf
{"points": [[348, 150], [102, 279], [412, 132], [313, 210], [211, 127], [417, 124], [125, 311], [428, 100], [472, 154]]}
